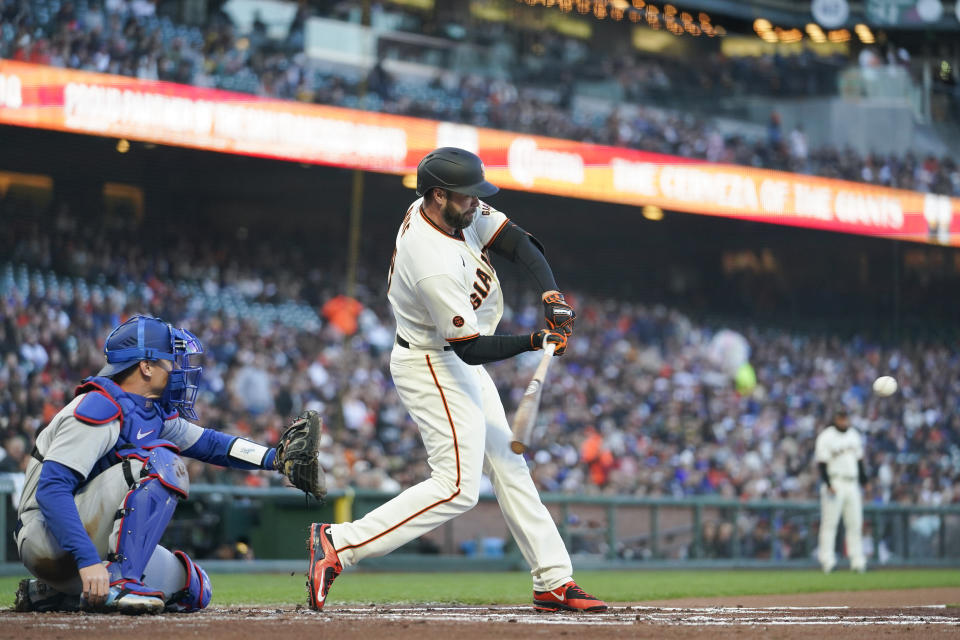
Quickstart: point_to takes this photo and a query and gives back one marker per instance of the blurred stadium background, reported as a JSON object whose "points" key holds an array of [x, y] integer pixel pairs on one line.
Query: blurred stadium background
{"points": [[754, 205]]}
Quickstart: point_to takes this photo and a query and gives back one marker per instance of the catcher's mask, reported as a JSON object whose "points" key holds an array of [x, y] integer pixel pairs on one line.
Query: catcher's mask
{"points": [[146, 338], [453, 169]]}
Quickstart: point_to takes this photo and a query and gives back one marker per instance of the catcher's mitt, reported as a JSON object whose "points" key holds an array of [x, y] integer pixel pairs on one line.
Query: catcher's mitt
{"points": [[297, 455]]}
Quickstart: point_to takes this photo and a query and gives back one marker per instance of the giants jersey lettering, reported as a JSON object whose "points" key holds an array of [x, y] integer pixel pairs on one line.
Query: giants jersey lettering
{"points": [[840, 450], [443, 288]]}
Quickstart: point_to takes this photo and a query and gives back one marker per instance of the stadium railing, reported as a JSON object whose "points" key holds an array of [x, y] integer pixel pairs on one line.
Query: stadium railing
{"points": [[600, 531]]}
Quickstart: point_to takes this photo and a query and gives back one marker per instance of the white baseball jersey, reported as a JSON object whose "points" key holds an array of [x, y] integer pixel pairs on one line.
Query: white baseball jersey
{"points": [[443, 288], [840, 450]]}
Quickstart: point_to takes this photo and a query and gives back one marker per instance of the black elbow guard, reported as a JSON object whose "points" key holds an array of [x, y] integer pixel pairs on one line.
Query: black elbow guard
{"points": [[536, 243], [509, 239]]}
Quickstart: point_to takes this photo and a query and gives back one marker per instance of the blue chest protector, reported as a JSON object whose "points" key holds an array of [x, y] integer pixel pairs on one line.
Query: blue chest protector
{"points": [[141, 420]]}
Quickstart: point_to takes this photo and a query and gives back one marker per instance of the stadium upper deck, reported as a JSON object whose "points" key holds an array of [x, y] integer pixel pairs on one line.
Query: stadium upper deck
{"points": [[596, 94]]}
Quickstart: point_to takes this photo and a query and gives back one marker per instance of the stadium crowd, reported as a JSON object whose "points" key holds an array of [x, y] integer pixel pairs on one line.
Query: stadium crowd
{"points": [[134, 38], [639, 405]]}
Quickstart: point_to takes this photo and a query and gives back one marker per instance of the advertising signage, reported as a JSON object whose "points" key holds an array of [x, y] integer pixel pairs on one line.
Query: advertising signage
{"points": [[172, 114]]}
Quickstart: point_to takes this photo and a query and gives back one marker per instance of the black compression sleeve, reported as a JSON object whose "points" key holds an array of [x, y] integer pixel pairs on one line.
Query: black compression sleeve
{"points": [[516, 245], [823, 473], [861, 473], [484, 349]]}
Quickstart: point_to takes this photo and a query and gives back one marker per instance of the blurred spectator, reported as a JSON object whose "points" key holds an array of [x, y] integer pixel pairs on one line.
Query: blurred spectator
{"points": [[798, 148], [342, 312], [251, 384], [638, 406], [14, 453], [774, 133], [239, 550], [379, 81]]}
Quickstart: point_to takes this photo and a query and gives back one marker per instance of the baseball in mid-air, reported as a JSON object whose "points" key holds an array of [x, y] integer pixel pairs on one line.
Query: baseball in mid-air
{"points": [[885, 386]]}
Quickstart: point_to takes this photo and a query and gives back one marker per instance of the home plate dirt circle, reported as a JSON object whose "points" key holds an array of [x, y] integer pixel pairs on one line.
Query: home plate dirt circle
{"points": [[694, 616], [420, 623]]}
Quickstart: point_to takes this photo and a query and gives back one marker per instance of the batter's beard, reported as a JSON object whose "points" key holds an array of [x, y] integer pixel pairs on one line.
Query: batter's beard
{"points": [[457, 219]]}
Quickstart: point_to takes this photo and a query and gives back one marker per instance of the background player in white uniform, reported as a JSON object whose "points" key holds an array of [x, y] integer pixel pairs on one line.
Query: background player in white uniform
{"points": [[447, 302], [839, 455], [106, 476]]}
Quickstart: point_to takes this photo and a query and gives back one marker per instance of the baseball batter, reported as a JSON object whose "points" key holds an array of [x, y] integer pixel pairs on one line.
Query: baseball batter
{"points": [[447, 302], [839, 455], [106, 476]]}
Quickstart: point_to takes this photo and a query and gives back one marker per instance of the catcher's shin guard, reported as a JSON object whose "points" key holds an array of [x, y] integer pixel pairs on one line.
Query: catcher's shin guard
{"points": [[197, 590], [141, 521]]}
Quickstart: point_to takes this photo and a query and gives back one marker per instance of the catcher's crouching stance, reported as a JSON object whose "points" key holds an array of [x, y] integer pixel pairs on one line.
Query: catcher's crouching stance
{"points": [[106, 476]]}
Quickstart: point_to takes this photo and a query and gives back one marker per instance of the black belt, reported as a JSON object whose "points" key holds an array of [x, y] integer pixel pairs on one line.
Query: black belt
{"points": [[406, 345]]}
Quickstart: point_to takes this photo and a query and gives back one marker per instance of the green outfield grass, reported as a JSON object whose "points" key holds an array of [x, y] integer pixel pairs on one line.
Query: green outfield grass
{"points": [[514, 588]]}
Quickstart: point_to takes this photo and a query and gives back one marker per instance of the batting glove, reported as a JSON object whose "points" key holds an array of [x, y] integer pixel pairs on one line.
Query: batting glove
{"points": [[546, 336], [558, 314]]}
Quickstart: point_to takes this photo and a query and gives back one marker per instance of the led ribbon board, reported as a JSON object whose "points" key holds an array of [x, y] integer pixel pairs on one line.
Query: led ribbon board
{"points": [[172, 114]]}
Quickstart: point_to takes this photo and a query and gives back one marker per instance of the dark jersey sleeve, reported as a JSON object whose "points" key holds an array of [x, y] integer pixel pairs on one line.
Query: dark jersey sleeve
{"points": [[484, 349], [518, 246], [823, 473]]}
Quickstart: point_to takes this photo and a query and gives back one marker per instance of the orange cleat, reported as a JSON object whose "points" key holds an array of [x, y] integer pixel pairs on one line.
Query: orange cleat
{"points": [[567, 597], [324, 566]]}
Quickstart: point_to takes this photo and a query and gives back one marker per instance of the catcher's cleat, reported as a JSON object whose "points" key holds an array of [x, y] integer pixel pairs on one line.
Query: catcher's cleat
{"points": [[33, 595], [324, 565], [125, 601], [567, 597]]}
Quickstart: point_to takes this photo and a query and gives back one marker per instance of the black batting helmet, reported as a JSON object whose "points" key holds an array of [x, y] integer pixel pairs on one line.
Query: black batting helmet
{"points": [[454, 169]]}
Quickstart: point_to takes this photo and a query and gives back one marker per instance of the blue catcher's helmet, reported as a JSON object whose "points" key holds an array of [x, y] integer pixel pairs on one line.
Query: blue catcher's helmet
{"points": [[146, 338]]}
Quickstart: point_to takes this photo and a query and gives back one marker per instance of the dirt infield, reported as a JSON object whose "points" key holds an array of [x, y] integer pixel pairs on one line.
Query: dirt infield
{"points": [[856, 599], [869, 615]]}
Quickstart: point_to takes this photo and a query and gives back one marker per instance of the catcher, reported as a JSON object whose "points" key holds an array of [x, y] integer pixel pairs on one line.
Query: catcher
{"points": [[106, 476]]}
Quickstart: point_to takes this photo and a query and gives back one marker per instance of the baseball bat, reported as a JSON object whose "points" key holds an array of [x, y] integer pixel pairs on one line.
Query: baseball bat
{"points": [[526, 417]]}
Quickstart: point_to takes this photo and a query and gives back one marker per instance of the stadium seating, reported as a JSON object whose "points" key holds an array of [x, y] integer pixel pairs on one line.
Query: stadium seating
{"points": [[638, 406], [129, 38]]}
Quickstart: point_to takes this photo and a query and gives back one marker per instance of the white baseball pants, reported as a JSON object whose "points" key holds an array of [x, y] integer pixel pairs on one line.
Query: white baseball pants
{"points": [[465, 431], [846, 501]]}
